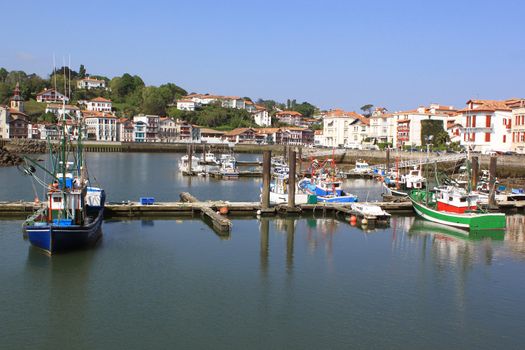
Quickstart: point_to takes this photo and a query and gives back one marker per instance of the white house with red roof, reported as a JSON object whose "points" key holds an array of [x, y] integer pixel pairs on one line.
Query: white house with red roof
{"points": [[101, 126], [99, 104], [487, 125], [187, 105], [290, 118], [408, 123], [51, 95], [91, 83], [518, 126], [261, 116], [342, 128]]}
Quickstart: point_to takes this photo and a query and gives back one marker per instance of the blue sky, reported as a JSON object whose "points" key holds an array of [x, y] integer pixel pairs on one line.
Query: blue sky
{"points": [[334, 54]]}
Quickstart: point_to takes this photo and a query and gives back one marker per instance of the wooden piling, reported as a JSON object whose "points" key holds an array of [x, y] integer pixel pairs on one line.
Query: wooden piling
{"points": [[300, 158], [190, 156], [267, 164], [492, 181], [387, 160], [291, 179], [475, 172]]}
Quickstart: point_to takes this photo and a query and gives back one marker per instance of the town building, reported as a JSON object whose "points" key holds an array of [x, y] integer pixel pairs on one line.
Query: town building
{"points": [[487, 125], [187, 105], [91, 83], [408, 123], [211, 136], [290, 117], [13, 121], [146, 128], [51, 95], [124, 130], [382, 127], [342, 128], [99, 104], [518, 125], [59, 109], [101, 126], [167, 130], [318, 138], [243, 135], [261, 116]]}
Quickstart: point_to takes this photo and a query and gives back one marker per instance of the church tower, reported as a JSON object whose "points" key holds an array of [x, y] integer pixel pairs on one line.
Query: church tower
{"points": [[17, 102]]}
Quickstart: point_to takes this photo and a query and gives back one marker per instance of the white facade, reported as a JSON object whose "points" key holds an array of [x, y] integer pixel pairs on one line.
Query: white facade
{"points": [[261, 117], [146, 128], [51, 95], [344, 128], [518, 128], [408, 125], [187, 105], [101, 127], [99, 104], [58, 110], [382, 126], [90, 83], [167, 130], [233, 102], [4, 122], [319, 138], [487, 126]]}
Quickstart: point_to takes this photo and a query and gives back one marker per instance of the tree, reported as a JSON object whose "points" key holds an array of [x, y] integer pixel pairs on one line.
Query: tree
{"points": [[306, 109], [432, 132], [367, 109], [82, 72], [47, 117], [153, 101], [3, 74]]}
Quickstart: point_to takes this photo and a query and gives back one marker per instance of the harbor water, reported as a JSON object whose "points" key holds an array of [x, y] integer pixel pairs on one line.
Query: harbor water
{"points": [[295, 283]]}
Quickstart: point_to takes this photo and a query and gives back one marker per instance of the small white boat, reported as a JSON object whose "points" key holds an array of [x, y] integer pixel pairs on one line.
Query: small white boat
{"points": [[279, 191], [361, 167], [195, 166], [229, 167], [371, 211]]}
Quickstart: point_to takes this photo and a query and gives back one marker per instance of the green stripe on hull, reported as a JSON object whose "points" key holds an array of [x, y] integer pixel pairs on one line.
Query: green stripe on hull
{"points": [[471, 221]]}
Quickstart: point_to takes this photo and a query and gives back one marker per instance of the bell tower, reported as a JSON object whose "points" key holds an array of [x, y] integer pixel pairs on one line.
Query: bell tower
{"points": [[17, 102]]}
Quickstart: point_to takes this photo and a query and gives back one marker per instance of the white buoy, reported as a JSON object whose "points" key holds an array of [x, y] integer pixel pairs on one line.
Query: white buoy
{"points": [[259, 212], [364, 221]]}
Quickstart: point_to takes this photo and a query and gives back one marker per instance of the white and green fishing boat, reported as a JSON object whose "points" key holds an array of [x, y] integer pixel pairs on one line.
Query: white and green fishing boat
{"points": [[455, 207]]}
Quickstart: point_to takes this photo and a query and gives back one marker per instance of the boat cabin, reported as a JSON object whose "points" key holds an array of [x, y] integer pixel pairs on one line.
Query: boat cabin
{"points": [[455, 200]]}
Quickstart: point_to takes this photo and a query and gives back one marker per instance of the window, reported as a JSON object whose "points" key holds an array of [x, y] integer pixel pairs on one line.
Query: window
{"points": [[487, 121], [487, 137], [504, 138], [473, 121]]}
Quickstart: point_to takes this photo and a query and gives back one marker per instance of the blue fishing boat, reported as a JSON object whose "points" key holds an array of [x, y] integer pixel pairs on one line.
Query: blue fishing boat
{"points": [[327, 190], [72, 213]]}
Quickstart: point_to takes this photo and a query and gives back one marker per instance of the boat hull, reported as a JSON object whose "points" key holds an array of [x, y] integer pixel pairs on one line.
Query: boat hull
{"points": [[337, 199], [54, 239], [471, 221]]}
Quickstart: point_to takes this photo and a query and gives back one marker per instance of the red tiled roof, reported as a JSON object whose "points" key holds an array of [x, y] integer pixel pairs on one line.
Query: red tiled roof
{"points": [[99, 99], [294, 113]]}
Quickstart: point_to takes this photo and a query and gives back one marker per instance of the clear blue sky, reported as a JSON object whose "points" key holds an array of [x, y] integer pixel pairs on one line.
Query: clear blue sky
{"points": [[398, 54]]}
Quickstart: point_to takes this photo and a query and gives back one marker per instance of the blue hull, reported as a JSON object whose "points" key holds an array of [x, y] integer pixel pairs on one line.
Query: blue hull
{"points": [[54, 238], [341, 199]]}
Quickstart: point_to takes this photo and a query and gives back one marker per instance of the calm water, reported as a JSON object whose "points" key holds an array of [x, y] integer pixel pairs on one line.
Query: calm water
{"points": [[273, 283]]}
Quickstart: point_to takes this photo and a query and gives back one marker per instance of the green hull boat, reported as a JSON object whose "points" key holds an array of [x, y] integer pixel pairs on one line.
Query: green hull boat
{"points": [[471, 220]]}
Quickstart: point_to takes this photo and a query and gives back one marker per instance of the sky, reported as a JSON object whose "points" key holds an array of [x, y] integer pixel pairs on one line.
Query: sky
{"points": [[398, 54]]}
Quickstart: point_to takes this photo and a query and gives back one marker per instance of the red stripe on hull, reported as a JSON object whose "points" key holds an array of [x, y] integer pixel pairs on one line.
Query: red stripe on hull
{"points": [[452, 208]]}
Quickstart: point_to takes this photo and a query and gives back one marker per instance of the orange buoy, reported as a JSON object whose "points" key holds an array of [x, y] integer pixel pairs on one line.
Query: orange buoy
{"points": [[353, 219], [223, 210]]}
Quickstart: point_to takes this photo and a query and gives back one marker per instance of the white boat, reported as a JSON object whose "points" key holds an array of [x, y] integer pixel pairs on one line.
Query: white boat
{"points": [[368, 210], [229, 167], [400, 185], [209, 158], [279, 191], [195, 166], [361, 167]]}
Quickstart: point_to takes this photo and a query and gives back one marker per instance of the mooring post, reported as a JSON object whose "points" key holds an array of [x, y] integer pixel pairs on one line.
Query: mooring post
{"points": [[300, 159], [291, 179], [492, 181], [265, 234], [190, 156], [285, 152], [475, 172], [267, 164], [387, 160]]}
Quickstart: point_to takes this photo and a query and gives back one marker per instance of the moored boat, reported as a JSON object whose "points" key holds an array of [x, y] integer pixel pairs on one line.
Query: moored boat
{"points": [[73, 214], [455, 207]]}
